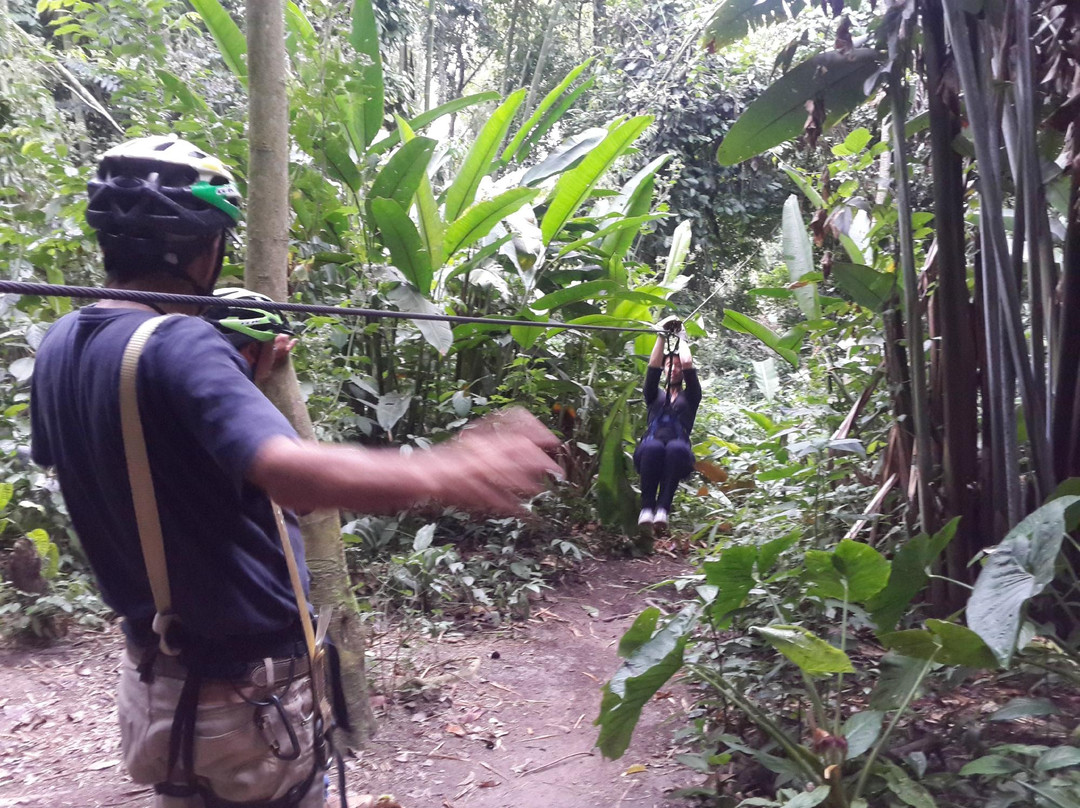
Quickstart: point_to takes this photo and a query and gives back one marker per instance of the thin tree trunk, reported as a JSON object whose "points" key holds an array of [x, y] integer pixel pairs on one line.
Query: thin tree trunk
{"points": [[599, 22], [429, 52], [267, 258], [504, 85], [541, 59], [913, 321]]}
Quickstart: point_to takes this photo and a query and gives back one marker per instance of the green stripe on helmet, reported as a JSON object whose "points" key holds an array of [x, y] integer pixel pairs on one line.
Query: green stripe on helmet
{"points": [[218, 197]]}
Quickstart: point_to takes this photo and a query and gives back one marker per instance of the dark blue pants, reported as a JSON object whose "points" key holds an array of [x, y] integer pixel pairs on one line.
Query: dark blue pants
{"points": [[661, 465]]}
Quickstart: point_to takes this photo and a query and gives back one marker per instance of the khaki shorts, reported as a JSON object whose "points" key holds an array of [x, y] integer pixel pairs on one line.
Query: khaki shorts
{"points": [[232, 753]]}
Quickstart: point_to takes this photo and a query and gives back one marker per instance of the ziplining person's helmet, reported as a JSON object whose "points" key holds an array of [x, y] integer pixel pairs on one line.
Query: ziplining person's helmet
{"points": [[157, 202], [246, 321]]}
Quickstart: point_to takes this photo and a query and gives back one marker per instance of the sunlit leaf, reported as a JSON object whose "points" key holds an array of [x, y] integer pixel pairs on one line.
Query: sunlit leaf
{"points": [[811, 653], [536, 120], [367, 85], [574, 186], [479, 161]]}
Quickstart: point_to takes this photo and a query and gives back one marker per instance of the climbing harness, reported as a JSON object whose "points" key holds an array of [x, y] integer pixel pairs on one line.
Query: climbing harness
{"points": [[668, 421], [208, 301], [194, 665]]}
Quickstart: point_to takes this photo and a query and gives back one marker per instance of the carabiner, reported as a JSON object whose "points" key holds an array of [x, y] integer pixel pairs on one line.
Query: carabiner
{"points": [[263, 722]]}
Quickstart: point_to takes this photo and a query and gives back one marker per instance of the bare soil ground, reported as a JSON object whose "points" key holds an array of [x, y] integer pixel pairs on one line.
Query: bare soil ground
{"points": [[488, 718]]}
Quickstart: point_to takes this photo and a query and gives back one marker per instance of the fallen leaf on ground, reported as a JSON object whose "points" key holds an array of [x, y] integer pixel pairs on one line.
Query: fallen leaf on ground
{"points": [[455, 729], [102, 764], [637, 768]]}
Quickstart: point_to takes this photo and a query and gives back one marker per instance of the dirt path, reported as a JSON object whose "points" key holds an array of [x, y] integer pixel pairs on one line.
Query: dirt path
{"points": [[489, 719]]}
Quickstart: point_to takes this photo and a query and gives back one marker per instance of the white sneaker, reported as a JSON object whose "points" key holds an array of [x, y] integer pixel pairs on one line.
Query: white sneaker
{"points": [[645, 517], [660, 517]]}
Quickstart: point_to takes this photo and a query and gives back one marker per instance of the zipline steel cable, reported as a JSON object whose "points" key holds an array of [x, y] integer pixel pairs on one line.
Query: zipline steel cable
{"points": [[102, 293]]}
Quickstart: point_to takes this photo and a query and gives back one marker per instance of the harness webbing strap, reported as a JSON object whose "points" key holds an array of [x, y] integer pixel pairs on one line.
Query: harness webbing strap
{"points": [[147, 518], [297, 585]]}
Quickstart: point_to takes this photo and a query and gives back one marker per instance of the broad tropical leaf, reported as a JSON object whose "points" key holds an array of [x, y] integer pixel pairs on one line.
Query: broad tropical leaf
{"points": [[299, 29], [635, 199], [574, 187], [811, 653], [553, 117], [766, 378], [803, 184], [908, 576], [478, 220], [899, 674], [734, 19], [367, 87], [437, 332], [401, 175], [778, 114], [632, 224], [943, 642], [733, 576], [400, 236], [546, 104], [227, 34], [853, 572], [748, 325], [799, 258], [572, 294], [480, 159], [648, 665], [424, 118], [867, 287], [861, 730], [431, 226], [680, 247], [568, 155], [1019, 568]]}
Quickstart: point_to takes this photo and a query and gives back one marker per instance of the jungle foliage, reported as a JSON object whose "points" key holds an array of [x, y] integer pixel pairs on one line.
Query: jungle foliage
{"points": [[883, 198]]}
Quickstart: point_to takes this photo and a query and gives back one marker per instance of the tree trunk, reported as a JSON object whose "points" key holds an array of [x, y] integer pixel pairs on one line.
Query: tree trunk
{"points": [[429, 52], [913, 318], [504, 84], [959, 372], [267, 260], [541, 58]]}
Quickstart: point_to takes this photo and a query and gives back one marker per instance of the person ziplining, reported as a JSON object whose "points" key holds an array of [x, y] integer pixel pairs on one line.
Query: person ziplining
{"points": [[664, 456]]}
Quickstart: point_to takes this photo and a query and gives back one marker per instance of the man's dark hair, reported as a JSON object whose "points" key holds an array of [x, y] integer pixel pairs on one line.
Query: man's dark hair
{"points": [[156, 259]]}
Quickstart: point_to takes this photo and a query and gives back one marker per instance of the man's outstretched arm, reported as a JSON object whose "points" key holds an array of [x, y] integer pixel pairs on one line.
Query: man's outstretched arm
{"points": [[489, 469]]}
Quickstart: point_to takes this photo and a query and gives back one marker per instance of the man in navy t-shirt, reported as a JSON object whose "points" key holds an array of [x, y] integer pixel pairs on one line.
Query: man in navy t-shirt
{"points": [[229, 718]]}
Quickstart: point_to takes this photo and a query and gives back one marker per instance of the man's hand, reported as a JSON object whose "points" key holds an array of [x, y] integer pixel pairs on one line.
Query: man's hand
{"points": [[272, 355], [671, 323], [490, 468], [495, 463]]}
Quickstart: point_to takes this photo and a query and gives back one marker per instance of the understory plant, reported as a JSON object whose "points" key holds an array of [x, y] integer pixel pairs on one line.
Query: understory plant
{"points": [[821, 655]]}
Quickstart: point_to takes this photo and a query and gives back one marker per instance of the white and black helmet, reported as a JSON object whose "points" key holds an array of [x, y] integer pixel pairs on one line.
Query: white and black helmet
{"points": [[161, 185]]}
